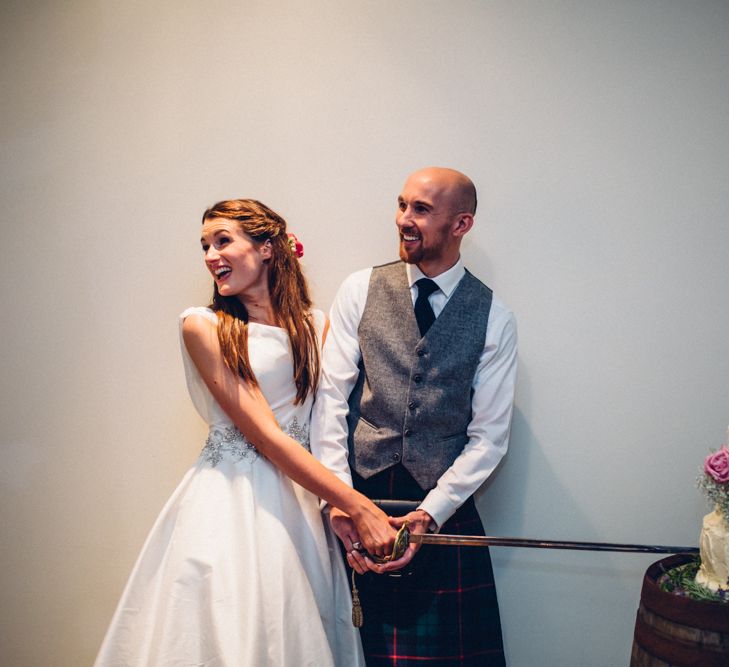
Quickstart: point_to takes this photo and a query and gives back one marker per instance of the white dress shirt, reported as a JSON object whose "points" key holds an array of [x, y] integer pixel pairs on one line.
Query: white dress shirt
{"points": [[492, 401]]}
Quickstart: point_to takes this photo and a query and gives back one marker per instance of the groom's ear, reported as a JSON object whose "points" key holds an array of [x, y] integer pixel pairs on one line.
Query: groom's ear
{"points": [[462, 224]]}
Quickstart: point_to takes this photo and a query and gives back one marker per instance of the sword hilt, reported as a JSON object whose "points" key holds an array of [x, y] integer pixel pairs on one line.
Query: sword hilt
{"points": [[402, 539]]}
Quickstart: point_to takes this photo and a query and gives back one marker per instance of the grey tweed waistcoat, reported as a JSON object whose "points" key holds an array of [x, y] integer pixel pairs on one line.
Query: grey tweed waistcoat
{"points": [[411, 404]]}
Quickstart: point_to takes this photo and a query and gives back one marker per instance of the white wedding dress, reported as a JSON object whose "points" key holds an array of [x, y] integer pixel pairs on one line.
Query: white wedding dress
{"points": [[239, 569]]}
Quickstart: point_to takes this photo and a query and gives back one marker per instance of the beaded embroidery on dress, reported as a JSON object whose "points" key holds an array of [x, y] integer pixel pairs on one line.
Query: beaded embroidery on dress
{"points": [[231, 441], [239, 569], [228, 441]]}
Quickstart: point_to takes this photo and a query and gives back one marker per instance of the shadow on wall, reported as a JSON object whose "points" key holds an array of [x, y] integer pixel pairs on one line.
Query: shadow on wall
{"points": [[515, 500], [550, 591]]}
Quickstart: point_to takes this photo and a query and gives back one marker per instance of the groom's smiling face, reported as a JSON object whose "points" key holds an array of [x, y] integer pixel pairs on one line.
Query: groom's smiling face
{"points": [[425, 217]]}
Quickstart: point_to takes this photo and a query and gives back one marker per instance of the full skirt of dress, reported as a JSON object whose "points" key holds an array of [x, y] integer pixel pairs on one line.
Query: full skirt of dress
{"points": [[239, 570]]}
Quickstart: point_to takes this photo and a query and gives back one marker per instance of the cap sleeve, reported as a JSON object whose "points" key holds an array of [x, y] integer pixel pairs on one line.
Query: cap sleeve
{"points": [[203, 311]]}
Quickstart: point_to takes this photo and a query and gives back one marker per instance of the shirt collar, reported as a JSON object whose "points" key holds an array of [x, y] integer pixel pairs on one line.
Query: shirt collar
{"points": [[446, 281]]}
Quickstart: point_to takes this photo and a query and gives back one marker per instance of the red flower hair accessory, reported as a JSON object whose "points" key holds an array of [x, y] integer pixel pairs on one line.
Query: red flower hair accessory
{"points": [[296, 246]]}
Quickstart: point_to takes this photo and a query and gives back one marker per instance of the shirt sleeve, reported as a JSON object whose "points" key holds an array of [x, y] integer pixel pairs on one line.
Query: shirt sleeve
{"points": [[488, 432], [340, 370]]}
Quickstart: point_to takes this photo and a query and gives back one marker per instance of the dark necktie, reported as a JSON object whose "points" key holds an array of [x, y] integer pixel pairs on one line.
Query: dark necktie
{"points": [[423, 312]]}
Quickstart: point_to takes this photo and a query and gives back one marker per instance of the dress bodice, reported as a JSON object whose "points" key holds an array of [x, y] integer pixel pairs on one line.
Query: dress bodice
{"points": [[269, 353]]}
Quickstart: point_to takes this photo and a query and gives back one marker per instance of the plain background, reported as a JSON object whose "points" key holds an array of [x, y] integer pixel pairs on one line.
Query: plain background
{"points": [[597, 134]]}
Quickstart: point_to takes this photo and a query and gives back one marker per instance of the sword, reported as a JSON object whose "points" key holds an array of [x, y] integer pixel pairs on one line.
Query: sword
{"points": [[485, 541], [405, 537]]}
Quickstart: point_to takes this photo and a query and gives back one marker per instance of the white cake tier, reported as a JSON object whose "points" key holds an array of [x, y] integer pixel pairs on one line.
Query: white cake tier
{"points": [[714, 545]]}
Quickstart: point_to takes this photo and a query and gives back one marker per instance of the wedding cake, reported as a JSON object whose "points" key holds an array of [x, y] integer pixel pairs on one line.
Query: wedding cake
{"points": [[714, 541]]}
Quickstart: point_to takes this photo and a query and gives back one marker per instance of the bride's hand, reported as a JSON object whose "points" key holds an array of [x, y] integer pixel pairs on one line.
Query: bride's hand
{"points": [[372, 524]]}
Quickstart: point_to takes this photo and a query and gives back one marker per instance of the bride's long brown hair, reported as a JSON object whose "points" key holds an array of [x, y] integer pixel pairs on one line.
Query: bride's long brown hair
{"points": [[289, 297]]}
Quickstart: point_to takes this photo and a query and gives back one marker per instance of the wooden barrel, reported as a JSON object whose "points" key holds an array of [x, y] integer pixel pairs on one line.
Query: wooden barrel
{"points": [[671, 630]]}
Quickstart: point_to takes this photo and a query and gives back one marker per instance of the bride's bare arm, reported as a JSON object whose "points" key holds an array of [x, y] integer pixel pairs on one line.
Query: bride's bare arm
{"points": [[249, 411]]}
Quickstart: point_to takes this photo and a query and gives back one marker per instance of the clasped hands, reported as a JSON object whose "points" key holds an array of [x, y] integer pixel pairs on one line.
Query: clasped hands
{"points": [[419, 521]]}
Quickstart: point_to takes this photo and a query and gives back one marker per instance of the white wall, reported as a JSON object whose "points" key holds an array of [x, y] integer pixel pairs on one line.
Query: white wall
{"points": [[597, 135]]}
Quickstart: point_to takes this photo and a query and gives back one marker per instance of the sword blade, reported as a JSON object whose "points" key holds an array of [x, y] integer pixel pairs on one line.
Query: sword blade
{"points": [[490, 541]]}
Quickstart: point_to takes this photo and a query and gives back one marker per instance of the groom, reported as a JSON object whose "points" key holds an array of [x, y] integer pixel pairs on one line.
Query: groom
{"points": [[415, 404]]}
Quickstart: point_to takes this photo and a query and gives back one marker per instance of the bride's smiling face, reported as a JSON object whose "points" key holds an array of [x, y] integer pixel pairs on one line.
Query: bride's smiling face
{"points": [[237, 263]]}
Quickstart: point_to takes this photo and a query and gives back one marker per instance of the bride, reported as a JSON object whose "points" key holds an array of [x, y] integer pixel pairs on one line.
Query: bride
{"points": [[239, 569]]}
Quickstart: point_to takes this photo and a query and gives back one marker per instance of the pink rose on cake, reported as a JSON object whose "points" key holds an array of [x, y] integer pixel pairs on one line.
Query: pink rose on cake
{"points": [[714, 480], [717, 465]]}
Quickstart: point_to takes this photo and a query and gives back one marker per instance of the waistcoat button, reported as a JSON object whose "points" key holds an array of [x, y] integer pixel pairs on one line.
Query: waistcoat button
{"points": [[422, 353], [396, 457], [417, 378], [412, 405], [407, 432]]}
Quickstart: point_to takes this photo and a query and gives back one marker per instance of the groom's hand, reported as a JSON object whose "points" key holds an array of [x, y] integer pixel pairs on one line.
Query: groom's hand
{"points": [[344, 529], [419, 521]]}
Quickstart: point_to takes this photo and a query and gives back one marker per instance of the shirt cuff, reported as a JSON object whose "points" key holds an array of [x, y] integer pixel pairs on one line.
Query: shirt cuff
{"points": [[438, 506]]}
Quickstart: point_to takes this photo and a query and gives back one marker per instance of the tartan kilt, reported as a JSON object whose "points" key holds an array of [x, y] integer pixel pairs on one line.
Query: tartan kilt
{"points": [[443, 614]]}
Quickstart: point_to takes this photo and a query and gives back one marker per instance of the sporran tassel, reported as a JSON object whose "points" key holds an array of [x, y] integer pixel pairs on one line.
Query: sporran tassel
{"points": [[357, 618]]}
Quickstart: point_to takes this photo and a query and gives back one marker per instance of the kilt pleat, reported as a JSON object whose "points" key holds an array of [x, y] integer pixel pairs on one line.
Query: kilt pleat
{"points": [[444, 613]]}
